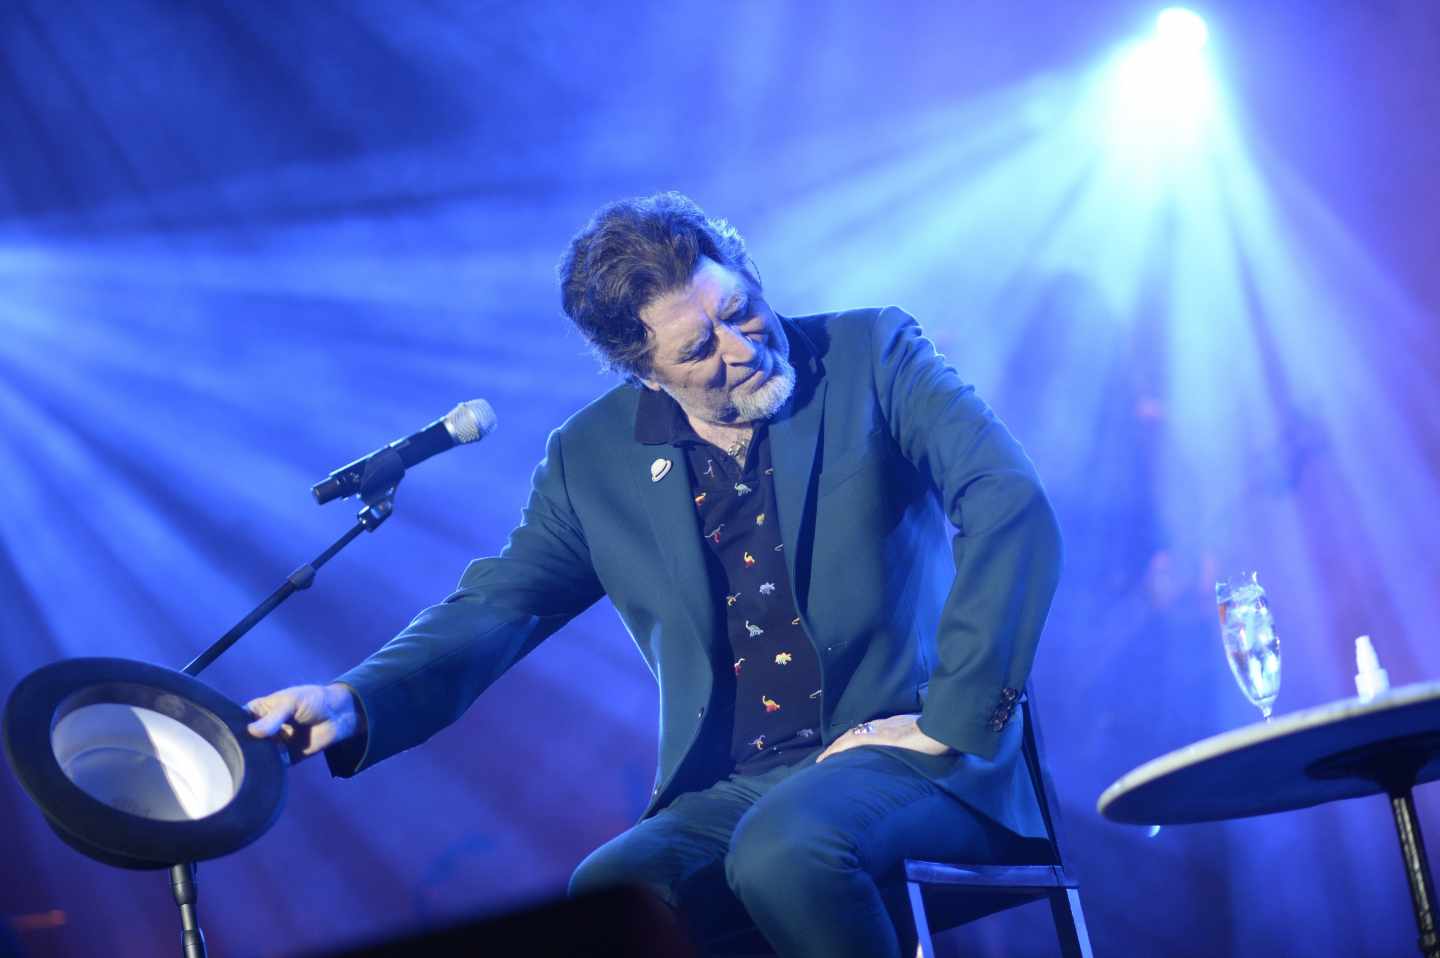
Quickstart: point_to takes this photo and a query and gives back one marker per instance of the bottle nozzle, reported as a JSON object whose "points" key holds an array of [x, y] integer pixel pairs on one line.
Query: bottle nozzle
{"points": [[1370, 678]]}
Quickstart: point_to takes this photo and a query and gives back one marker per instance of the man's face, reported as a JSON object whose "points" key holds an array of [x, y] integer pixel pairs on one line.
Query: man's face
{"points": [[719, 350]]}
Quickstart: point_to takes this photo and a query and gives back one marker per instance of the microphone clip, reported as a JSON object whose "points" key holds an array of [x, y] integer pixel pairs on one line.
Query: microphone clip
{"points": [[382, 474]]}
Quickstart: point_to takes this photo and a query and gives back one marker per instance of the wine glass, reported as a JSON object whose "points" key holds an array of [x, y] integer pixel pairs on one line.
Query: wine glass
{"points": [[1251, 646]]}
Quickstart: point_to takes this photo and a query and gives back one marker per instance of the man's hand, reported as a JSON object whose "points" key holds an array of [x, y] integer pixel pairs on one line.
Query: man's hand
{"points": [[899, 731], [307, 718]]}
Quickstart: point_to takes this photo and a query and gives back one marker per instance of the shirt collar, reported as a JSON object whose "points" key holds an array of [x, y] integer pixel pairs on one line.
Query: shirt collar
{"points": [[659, 419]]}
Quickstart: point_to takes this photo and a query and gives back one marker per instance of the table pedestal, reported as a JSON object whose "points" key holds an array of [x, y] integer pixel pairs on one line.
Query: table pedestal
{"points": [[1395, 765], [1417, 869]]}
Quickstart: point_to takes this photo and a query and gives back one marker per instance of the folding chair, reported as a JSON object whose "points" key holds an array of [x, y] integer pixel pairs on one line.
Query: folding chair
{"points": [[944, 895]]}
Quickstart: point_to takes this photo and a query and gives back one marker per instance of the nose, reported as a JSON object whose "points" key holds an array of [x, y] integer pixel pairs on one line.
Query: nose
{"points": [[735, 347]]}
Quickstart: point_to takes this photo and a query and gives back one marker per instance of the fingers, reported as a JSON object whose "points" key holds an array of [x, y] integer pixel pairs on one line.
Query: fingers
{"points": [[282, 711], [297, 717], [302, 719], [844, 743], [271, 712], [897, 731], [877, 732]]}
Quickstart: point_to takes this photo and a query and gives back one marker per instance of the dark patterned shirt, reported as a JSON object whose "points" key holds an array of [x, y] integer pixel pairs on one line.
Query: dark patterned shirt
{"points": [[777, 673]]}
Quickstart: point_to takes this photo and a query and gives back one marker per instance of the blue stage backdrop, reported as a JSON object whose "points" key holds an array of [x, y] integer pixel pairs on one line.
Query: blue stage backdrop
{"points": [[242, 243]]}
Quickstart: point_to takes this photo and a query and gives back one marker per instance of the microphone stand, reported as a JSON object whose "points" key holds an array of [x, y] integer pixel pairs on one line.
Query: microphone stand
{"points": [[377, 490]]}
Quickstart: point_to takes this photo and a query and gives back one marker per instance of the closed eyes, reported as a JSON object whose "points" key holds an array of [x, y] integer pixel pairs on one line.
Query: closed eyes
{"points": [[700, 351], [740, 313]]}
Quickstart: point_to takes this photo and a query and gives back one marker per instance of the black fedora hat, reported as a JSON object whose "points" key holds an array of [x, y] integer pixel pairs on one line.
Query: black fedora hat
{"points": [[140, 766]]}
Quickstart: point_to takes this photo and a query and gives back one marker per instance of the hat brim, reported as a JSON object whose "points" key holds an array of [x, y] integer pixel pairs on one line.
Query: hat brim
{"points": [[111, 834]]}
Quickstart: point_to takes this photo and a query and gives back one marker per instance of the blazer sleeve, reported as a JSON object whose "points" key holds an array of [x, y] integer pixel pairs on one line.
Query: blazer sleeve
{"points": [[1006, 545], [429, 674]]}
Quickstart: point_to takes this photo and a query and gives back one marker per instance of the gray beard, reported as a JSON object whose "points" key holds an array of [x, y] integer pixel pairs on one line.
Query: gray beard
{"points": [[766, 401]]}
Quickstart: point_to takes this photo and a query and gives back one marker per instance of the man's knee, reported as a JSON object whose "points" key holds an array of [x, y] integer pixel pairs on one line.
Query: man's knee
{"points": [[603, 868], [622, 861], [774, 855]]}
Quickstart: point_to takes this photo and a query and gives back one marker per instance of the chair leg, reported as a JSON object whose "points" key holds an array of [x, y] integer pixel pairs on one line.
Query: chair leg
{"points": [[926, 947], [1069, 923]]}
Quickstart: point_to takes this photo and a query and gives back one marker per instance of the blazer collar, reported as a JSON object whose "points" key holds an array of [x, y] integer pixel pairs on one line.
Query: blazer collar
{"points": [[794, 437], [659, 419]]}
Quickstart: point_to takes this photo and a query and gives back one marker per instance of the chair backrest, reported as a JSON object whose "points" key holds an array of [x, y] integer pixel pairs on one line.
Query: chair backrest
{"points": [[1034, 752]]}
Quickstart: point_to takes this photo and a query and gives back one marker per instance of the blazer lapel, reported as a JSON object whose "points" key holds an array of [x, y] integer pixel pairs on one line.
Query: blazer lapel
{"points": [[794, 439], [671, 513]]}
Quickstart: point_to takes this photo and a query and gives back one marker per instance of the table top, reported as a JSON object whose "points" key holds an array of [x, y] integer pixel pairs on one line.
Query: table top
{"points": [[1304, 758]]}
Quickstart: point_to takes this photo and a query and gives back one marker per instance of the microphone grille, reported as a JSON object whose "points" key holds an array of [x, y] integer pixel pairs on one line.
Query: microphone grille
{"points": [[470, 421]]}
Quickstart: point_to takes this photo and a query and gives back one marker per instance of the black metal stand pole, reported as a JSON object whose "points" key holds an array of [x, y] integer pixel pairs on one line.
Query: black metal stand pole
{"points": [[1417, 870], [378, 493], [182, 886], [369, 520]]}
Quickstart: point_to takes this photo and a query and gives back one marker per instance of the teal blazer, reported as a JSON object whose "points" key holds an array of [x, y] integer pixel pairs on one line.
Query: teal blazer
{"points": [[921, 547]]}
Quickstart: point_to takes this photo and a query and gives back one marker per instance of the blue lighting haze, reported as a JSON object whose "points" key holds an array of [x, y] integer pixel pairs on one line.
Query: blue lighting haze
{"points": [[243, 244]]}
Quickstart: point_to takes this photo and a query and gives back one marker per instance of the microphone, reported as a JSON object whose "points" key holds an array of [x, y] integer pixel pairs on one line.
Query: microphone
{"points": [[468, 422]]}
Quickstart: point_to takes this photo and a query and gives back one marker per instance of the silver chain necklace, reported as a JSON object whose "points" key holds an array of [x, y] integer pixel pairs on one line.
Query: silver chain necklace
{"points": [[738, 448]]}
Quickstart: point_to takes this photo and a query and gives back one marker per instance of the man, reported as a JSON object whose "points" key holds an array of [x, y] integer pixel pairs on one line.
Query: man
{"points": [[767, 503]]}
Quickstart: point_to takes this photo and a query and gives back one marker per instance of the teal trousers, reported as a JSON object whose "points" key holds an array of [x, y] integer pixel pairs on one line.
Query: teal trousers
{"points": [[811, 854]]}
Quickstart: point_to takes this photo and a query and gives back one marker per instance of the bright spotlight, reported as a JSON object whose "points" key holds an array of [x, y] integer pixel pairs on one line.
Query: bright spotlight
{"points": [[1161, 93], [1181, 29]]}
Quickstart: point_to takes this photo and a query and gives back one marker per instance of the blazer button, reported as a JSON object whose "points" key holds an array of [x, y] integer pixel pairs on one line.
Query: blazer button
{"points": [[655, 791], [1009, 695], [701, 713]]}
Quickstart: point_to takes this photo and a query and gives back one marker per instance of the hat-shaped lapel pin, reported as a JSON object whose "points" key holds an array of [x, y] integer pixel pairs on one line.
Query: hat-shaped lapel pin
{"points": [[659, 469]]}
